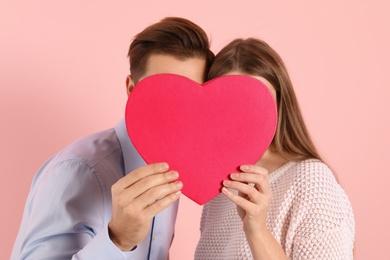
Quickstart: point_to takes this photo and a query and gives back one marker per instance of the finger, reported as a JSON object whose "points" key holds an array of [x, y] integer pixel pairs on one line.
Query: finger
{"points": [[245, 204], [161, 204], [254, 169], [149, 182], [259, 182], [159, 192], [244, 190], [141, 173], [247, 177], [254, 174], [149, 197]]}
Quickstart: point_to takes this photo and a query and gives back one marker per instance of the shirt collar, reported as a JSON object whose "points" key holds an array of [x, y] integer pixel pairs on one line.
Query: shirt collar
{"points": [[131, 157]]}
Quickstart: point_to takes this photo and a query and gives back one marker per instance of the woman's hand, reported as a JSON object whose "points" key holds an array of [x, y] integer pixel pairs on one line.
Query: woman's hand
{"points": [[253, 199]]}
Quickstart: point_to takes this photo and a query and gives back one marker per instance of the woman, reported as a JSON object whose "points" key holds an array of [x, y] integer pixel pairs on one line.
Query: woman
{"points": [[309, 215]]}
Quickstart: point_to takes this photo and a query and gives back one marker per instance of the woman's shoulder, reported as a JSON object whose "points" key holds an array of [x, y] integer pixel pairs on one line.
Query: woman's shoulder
{"points": [[302, 171], [312, 171], [314, 180], [307, 178], [312, 165], [319, 198]]}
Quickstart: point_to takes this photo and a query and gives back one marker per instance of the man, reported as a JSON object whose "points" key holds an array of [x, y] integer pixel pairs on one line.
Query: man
{"points": [[96, 199]]}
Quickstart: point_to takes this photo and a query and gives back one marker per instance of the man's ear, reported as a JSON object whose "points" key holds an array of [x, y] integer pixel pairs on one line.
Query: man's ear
{"points": [[129, 84]]}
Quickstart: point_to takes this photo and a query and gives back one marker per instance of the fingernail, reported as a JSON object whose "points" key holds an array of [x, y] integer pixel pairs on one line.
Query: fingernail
{"points": [[244, 167], [234, 175], [179, 184], [164, 166], [178, 193], [225, 190], [227, 183], [174, 174]]}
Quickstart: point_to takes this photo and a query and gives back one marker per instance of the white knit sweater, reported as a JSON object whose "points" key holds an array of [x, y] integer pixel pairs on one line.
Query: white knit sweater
{"points": [[310, 216]]}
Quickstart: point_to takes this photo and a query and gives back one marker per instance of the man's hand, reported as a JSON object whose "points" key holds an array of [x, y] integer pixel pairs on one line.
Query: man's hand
{"points": [[137, 198]]}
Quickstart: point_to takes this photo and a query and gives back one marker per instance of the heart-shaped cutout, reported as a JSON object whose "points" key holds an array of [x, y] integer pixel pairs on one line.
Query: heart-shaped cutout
{"points": [[205, 132]]}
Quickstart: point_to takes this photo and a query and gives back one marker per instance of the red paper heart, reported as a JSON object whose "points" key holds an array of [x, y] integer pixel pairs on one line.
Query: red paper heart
{"points": [[203, 131]]}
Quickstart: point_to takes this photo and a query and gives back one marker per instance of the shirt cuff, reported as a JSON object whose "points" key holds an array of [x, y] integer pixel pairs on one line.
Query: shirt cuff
{"points": [[101, 247]]}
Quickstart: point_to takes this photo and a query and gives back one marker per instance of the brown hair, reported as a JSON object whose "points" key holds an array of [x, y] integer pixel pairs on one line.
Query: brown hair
{"points": [[255, 57], [174, 36]]}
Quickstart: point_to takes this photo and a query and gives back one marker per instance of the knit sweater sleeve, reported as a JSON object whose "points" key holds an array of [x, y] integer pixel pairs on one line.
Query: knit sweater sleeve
{"points": [[324, 222]]}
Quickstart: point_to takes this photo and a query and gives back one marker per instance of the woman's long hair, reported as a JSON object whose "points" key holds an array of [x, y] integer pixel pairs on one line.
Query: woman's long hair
{"points": [[255, 57]]}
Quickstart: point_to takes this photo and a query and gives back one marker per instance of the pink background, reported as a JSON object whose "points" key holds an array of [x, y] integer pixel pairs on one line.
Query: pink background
{"points": [[62, 76]]}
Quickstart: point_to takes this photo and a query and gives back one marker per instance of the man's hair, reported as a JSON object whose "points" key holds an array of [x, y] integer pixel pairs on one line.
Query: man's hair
{"points": [[174, 36]]}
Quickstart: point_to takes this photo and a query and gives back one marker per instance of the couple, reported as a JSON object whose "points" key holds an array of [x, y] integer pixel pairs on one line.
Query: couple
{"points": [[96, 199]]}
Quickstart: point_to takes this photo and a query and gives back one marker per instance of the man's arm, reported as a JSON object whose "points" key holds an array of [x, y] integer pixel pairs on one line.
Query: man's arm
{"points": [[64, 212], [64, 216]]}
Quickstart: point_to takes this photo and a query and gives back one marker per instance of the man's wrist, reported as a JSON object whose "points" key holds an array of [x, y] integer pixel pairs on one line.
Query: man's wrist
{"points": [[125, 247]]}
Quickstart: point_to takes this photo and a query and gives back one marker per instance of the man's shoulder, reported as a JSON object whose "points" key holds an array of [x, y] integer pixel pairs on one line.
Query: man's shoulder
{"points": [[96, 158], [92, 149]]}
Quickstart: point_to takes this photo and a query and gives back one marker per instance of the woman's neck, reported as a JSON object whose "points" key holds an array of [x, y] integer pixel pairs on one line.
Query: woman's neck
{"points": [[271, 160]]}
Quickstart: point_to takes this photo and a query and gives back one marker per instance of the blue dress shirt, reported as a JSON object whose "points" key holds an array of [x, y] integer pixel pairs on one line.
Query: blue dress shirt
{"points": [[69, 206]]}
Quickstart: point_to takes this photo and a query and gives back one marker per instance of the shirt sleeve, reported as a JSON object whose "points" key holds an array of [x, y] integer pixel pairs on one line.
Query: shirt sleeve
{"points": [[64, 217], [330, 244], [325, 223]]}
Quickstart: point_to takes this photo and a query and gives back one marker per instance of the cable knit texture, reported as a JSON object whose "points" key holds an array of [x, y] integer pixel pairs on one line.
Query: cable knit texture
{"points": [[310, 216]]}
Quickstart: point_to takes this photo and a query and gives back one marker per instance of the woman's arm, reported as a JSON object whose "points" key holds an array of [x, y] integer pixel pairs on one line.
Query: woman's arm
{"points": [[253, 199]]}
